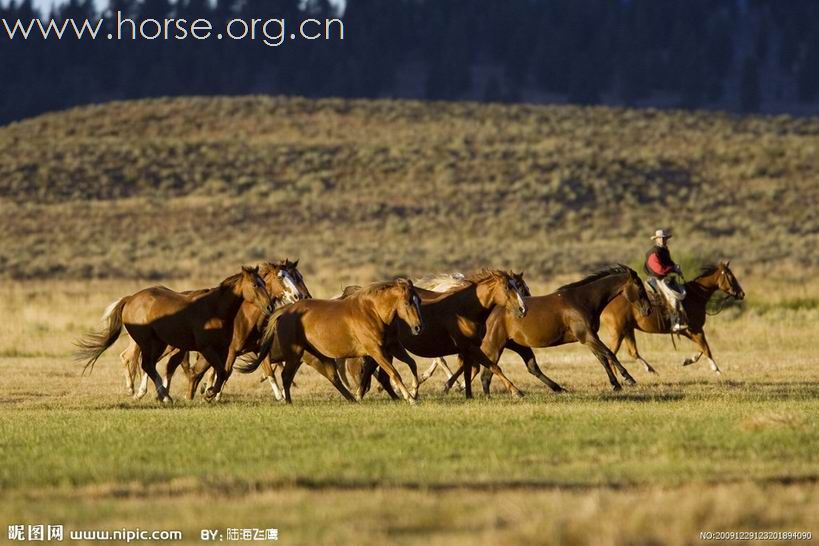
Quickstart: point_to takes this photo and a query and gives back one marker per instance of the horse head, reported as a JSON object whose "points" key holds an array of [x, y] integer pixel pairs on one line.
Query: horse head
{"points": [[517, 290], [253, 289], [408, 305], [727, 282]]}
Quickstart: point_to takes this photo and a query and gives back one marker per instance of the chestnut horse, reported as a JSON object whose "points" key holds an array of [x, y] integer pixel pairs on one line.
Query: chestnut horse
{"points": [[456, 323], [570, 314], [355, 326], [158, 317], [621, 320], [284, 283]]}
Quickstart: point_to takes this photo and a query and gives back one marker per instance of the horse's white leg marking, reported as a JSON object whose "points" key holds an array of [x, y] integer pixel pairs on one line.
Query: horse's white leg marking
{"points": [[431, 370], [143, 387], [692, 360], [274, 385], [714, 366]]}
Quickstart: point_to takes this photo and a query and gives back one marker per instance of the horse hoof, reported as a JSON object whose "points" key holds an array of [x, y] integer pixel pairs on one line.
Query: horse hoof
{"points": [[412, 401], [616, 388], [558, 388], [130, 392], [519, 394], [652, 370], [630, 381], [167, 400]]}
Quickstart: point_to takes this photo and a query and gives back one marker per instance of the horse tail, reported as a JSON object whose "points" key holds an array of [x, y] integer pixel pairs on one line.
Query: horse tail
{"points": [[91, 346], [265, 343]]}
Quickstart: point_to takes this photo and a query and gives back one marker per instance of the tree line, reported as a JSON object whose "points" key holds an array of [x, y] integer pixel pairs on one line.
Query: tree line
{"points": [[739, 55]]}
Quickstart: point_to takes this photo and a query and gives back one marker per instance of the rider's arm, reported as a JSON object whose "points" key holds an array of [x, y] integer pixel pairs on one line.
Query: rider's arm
{"points": [[657, 267]]}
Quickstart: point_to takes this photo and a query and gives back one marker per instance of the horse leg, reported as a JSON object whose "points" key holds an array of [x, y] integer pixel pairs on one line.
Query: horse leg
{"points": [[612, 359], [477, 355], [291, 366], [699, 339], [401, 354], [385, 363], [341, 369], [528, 356], [128, 359], [269, 374], [217, 362], [197, 373], [327, 368], [602, 353], [150, 354], [431, 370], [631, 345], [143, 387], [173, 363]]}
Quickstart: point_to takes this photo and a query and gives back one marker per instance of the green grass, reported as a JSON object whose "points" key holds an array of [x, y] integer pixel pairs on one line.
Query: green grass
{"points": [[637, 437]]}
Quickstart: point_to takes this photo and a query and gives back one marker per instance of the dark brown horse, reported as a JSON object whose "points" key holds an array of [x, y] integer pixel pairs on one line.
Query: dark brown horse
{"points": [[456, 323], [347, 328], [621, 320], [570, 314], [284, 283], [158, 317]]}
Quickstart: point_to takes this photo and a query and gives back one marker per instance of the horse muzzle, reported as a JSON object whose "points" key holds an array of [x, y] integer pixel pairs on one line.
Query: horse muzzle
{"points": [[740, 295], [521, 312], [417, 329]]}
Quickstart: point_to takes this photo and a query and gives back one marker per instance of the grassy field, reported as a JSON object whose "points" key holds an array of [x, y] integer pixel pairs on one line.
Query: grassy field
{"points": [[98, 202], [682, 452]]}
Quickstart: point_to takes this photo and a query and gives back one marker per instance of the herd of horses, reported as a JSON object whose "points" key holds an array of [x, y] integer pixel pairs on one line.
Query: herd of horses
{"points": [[268, 313]]}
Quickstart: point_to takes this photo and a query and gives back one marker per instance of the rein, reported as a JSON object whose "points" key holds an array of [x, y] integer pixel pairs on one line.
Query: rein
{"points": [[721, 304]]}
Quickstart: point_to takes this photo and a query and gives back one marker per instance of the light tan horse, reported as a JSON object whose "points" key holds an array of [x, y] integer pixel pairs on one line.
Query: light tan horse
{"points": [[621, 320], [284, 283], [356, 326], [158, 317]]}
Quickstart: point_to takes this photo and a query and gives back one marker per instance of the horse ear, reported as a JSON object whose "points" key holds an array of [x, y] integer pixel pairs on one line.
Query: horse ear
{"points": [[727, 263]]}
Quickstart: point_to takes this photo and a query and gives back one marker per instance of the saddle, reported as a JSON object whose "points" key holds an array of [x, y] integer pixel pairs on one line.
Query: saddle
{"points": [[659, 302]]}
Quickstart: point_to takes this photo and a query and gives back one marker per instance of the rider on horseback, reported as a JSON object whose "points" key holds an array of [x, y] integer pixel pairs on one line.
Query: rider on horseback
{"points": [[659, 265]]}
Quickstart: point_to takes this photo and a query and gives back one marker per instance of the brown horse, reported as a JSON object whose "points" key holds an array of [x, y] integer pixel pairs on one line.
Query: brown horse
{"points": [[570, 314], [158, 317], [347, 328], [456, 323], [284, 283], [621, 320]]}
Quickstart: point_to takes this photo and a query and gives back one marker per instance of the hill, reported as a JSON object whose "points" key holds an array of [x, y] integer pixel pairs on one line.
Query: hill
{"points": [[367, 189]]}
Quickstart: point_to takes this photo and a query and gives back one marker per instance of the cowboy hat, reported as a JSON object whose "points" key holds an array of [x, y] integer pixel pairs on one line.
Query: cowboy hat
{"points": [[662, 234]]}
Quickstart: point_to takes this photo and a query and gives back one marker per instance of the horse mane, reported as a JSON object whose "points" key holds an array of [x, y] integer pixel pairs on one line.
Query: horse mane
{"points": [[707, 269], [374, 288], [484, 275], [611, 270], [231, 281], [436, 281]]}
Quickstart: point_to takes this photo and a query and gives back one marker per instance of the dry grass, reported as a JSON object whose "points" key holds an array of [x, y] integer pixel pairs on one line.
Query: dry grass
{"points": [[173, 188]]}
